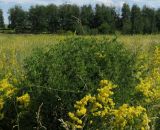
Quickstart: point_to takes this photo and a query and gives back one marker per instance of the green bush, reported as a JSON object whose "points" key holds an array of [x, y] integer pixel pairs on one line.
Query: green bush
{"points": [[64, 73], [104, 28]]}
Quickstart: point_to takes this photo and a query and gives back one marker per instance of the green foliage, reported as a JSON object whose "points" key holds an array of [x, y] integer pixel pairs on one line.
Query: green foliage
{"points": [[68, 16], [18, 19], [2, 26], [64, 73], [158, 20], [126, 22], [61, 73], [37, 18], [104, 15], [105, 28], [148, 15], [136, 19], [82, 20], [87, 15], [52, 18]]}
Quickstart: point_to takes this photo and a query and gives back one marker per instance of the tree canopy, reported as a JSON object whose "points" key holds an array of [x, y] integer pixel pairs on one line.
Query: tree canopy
{"points": [[83, 20]]}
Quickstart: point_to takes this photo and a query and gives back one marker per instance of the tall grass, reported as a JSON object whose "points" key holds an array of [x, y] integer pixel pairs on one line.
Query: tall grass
{"points": [[15, 48]]}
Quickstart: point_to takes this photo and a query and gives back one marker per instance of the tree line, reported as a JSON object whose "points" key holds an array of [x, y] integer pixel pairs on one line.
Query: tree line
{"points": [[83, 20]]}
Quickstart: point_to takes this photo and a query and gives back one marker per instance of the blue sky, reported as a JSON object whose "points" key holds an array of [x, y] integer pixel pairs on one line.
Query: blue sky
{"points": [[6, 4]]}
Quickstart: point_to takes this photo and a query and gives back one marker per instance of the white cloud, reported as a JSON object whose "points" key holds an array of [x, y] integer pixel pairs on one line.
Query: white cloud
{"points": [[81, 2], [24, 1], [117, 3]]}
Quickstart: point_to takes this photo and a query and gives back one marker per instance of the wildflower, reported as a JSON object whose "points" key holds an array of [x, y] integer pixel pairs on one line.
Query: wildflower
{"points": [[125, 114], [82, 111], [103, 83], [6, 88], [103, 106], [78, 126], [71, 115], [24, 100], [91, 122]]}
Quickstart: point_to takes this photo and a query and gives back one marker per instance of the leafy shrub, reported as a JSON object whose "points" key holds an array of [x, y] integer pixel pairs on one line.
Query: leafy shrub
{"points": [[104, 28], [69, 70]]}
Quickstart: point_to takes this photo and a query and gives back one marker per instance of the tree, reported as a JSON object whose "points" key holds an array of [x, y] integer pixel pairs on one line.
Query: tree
{"points": [[17, 19], [148, 15], [126, 22], [83, 20], [37, 18], [105, 15], [52, 18], [1, 19], [118, 21], [87, 15], [158, 20], [104, 28], [136, 20], [68, 15]]}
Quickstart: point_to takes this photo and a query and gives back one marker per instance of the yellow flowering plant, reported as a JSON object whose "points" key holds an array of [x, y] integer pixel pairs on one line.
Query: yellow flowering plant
{"points": [[8, 94], [24, 100], [149, 86], [7, 90], [130, 117], [100, 112]]}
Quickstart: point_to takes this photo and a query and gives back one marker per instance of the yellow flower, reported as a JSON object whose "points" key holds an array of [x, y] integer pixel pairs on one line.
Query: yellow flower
{"points": [[71, 115], [103, 83], [24, 100], [91, 122], [103, 106], [6, 88], [145, 120], [98, 105], [15, 81], [81, 112], [142, 128], [79, 122], [78, 126], [126, 114]]}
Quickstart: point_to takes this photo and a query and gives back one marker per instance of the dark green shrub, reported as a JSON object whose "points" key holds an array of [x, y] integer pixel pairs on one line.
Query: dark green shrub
{"points": [[67, 71], [104, 28]]}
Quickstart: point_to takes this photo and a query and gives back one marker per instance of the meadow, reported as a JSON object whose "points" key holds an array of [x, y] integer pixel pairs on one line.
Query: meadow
{"points": [[24, 44], [114, 79], [18, 47]]}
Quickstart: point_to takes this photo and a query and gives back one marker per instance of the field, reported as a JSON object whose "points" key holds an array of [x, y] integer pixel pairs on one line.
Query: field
{"points": [[23, 44], [38, 72]]}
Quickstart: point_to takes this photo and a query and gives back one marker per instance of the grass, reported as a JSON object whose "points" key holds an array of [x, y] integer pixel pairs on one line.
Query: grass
{"points": [[23, 44]]}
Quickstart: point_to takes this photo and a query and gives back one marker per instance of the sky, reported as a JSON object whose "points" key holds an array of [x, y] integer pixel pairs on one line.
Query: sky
{"points": [[6, 4]]}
